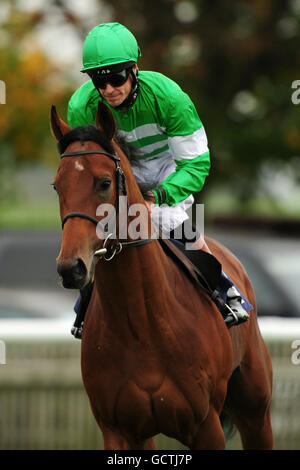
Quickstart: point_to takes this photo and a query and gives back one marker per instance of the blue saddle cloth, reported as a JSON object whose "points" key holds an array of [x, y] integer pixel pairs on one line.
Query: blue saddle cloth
{"points": [[225, 284], [76, 306]]}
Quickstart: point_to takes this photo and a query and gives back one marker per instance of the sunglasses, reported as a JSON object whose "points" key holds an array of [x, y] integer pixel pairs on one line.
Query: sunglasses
{"points": [[115, 79]]}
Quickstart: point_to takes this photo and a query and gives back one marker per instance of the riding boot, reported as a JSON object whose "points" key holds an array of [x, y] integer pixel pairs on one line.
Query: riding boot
{"points": [[238, 314], [232, 310], [80, 309], [226, 296]]}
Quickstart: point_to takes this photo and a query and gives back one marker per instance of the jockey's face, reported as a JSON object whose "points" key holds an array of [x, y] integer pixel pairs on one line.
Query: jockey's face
{"points": [[115, 95]]}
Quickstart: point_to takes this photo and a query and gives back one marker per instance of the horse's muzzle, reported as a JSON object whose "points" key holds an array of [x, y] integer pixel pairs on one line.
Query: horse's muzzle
{"points": [[73, 274]]}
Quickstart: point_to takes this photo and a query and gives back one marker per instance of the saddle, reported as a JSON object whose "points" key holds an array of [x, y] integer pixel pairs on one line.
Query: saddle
{"points": [[207, 272], [202, 267]]}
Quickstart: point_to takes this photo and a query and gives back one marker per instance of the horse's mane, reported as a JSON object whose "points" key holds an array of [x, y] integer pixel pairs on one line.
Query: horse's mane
{"points": [[91, 132], [132, 152]]}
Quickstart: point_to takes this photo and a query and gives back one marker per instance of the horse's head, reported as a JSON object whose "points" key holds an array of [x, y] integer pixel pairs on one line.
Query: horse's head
{"points": [[90, 175]]}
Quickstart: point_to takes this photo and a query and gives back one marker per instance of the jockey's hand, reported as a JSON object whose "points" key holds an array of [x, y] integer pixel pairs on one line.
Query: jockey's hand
{"points": [[150, 201]]}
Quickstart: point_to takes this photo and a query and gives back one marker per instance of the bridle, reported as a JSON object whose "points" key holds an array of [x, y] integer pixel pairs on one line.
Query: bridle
{"points": [[116, 248]]}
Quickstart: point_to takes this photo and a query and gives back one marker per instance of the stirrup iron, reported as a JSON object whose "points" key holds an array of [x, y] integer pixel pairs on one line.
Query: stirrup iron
{"points": [[230, 317], [76, 331]]}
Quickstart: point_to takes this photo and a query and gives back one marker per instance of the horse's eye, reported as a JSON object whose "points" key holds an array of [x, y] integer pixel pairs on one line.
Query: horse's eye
{"points": [[53, 186], [104, 184]]}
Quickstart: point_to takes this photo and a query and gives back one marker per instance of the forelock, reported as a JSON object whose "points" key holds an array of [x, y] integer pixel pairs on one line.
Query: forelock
{"points": [[83, 134]]}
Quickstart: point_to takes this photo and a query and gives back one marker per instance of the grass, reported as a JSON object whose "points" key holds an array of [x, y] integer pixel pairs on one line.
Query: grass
{"points": [[29, 215], [44, 213], [262, 207]]}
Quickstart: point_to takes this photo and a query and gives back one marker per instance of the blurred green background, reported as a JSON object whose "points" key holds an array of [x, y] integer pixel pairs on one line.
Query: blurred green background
{"points": [[237, 60]]}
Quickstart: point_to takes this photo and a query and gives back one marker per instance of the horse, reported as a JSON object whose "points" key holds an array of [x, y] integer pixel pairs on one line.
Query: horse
{"points": [[156, 355]]}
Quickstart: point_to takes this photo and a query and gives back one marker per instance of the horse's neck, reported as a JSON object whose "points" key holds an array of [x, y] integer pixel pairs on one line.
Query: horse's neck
{"points": [[135, 272], [132, 287]]}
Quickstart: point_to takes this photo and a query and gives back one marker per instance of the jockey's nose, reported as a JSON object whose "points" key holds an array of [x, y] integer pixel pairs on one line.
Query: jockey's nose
{"points": [[109, 88], [73, 274]]}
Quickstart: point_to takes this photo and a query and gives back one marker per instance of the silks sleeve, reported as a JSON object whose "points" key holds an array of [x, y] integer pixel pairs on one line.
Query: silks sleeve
{"points": [[188, 143]]}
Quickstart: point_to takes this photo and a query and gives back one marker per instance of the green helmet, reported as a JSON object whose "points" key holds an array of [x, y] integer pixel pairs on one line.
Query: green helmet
{"points": [[109, 44]]}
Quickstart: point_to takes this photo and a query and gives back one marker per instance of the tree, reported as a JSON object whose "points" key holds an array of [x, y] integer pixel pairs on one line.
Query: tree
{"points": [[33, 83], [237, 60]]}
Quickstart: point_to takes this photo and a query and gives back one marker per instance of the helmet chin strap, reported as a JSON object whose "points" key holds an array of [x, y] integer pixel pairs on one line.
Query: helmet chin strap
{"points": [[131, 98]]}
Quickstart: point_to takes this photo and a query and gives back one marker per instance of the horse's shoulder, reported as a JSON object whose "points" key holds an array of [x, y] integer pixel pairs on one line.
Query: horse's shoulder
{"points": [[230, 263]]}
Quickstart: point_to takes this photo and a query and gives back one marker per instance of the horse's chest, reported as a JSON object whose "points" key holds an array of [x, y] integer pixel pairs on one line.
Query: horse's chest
{"points": [[140, 410], [134, 393]]}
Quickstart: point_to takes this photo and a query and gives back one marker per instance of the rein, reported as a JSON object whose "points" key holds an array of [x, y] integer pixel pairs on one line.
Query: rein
{"points": [[121, 189]]}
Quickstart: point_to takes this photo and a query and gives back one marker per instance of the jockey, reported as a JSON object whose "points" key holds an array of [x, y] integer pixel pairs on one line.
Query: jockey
{"points": [[154, 114]]}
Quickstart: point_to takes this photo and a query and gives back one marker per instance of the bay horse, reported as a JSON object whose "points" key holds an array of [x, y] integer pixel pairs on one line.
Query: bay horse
{"points": [[156, 355]]}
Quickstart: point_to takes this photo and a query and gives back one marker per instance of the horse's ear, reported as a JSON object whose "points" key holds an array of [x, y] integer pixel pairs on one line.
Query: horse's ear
{"points": [[58, 127], [105, 121]]}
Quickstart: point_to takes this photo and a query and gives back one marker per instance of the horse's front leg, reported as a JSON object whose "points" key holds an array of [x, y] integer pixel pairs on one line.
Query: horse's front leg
{"points": [[116, 441], [210, 434]]}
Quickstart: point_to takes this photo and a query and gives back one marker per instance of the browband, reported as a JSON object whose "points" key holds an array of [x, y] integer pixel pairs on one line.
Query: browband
{"points": [[85, 152]]}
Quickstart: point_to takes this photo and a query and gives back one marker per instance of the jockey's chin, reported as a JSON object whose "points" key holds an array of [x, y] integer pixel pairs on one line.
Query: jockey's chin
{"points": [[116, 95], [115, 100]]}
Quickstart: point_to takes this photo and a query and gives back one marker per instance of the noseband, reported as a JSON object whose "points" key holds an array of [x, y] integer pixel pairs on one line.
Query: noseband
{"points": [[121, 189]]}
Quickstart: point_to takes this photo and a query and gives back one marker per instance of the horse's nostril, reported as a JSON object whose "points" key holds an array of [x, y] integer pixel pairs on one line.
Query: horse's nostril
{"points": [[73, 274], [80, 268]]}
